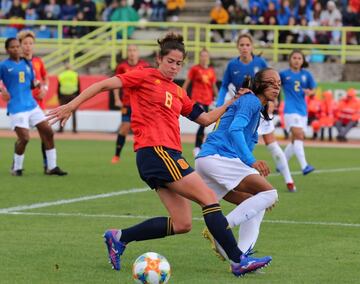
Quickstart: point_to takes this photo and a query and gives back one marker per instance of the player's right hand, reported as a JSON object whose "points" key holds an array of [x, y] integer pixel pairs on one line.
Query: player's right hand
{"points": [[4, 94], [61, 114], [262, 168]]}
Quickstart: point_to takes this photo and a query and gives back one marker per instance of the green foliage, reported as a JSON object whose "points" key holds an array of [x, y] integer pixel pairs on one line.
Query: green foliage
{"points": [[306, 233]]}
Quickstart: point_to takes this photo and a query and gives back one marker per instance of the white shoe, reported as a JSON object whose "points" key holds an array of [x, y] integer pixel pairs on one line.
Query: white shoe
{"points": [[196, 151]]}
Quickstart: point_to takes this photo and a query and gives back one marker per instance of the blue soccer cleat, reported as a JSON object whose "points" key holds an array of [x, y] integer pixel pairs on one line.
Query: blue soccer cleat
{"points": [[115, 248], [308, 169], [249, 264]]}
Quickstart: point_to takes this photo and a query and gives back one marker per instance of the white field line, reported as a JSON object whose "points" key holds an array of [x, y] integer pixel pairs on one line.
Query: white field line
{"points": [[136, 190], [316, 223], [68, 201]]}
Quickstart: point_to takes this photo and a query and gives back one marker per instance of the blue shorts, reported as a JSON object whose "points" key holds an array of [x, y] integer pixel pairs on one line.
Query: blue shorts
{"points": [[159, 166], [125, 113]]}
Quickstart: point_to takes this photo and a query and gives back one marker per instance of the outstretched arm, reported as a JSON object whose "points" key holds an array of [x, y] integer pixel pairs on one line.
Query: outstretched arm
{"points": [[62, 113]]}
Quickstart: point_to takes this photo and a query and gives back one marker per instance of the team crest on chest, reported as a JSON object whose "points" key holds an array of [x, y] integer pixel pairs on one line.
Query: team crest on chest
{"points": [[303, 78], [157, 82]]}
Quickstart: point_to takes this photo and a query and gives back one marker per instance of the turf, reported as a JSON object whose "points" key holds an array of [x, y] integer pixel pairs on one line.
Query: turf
{"points": [[312, 235]]}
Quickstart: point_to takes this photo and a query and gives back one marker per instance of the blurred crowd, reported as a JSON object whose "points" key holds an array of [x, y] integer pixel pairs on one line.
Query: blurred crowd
{"points": [[87, 10], [293, 13], [325, 113]]}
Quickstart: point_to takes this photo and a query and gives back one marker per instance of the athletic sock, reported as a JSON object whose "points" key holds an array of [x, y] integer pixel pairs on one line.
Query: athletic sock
{"points": [[251, 207], [219, 228], [300, 154], [43, 151], [120, 141], [18, 162], [154, 228], [51, 158], [249, 232], [280, 161], [289, 151]]}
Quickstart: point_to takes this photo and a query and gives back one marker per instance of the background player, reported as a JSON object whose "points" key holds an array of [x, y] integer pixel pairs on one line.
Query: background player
{"points": [[27, 42], [156, 105], [132, 62], [203, 90], [297, 83], [248, 64], [18, 77]]}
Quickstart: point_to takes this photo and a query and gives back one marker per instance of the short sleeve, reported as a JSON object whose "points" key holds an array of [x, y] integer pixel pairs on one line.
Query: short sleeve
{"points": [[132, 78], [187, 106]]}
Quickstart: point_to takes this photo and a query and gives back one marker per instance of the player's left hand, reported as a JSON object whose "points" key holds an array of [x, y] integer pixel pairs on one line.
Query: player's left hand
{"points": [[243, 91]]}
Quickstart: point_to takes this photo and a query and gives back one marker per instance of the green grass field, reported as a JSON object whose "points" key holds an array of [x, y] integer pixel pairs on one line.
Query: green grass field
{"points": [[313, 235]]}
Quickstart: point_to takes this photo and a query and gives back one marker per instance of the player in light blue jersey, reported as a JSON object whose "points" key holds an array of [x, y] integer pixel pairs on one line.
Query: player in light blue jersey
{"points": [[228, 166], [17, 76], [297, 83], [247, 65]]}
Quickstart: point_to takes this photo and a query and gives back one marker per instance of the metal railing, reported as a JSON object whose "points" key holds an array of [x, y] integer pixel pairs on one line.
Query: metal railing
{"points": [[111, 37]]}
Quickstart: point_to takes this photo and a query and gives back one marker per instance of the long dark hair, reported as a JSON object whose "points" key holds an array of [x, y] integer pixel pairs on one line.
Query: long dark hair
{"points": [[257, 85]]}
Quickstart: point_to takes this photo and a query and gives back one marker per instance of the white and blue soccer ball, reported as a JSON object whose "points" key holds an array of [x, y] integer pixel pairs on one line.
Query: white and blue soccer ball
{"points": [[151, 268]]}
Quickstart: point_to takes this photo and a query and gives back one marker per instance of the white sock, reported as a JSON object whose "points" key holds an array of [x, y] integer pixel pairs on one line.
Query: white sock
{"points": [[51, 158], [280, 161], [18, 162], [289, 151], [249, 232], [251, 207], [299, 152]]}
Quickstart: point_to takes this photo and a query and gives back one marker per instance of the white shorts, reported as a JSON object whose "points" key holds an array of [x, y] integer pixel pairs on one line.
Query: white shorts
{"points": [[222, 174], [266, 127], [27, 119], [295, 120]]}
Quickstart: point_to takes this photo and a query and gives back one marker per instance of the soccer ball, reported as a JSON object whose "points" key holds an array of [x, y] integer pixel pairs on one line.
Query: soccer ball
{"points": [[151, 268]]}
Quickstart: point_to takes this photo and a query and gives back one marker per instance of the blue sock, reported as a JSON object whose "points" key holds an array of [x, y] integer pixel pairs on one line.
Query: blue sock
{"points": [[155, 228], [219, 228]]}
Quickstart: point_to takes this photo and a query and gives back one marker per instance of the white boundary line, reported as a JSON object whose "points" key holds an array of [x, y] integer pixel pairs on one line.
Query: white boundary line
{"points": [[136, 190], [68, 201], [316, 223]]}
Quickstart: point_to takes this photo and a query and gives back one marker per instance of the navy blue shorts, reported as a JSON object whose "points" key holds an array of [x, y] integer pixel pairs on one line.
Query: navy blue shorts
{"points": [[159, 165], [125, 113]]}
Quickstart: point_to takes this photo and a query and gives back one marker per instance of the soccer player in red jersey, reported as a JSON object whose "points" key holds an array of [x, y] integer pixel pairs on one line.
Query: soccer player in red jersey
{"points": [[27, 41], [203, 90], [157, 103], [132, 62]]}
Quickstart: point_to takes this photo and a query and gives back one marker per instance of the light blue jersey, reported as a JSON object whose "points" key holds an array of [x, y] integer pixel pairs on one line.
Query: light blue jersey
{"points": [[235, 135], [293, 84], [17, 78], [235, 73]]}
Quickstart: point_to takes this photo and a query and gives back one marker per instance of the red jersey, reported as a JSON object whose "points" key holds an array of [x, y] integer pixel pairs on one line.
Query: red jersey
{"points": [[156, 104], [124, 67], [202, 80], [40, 74]]}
